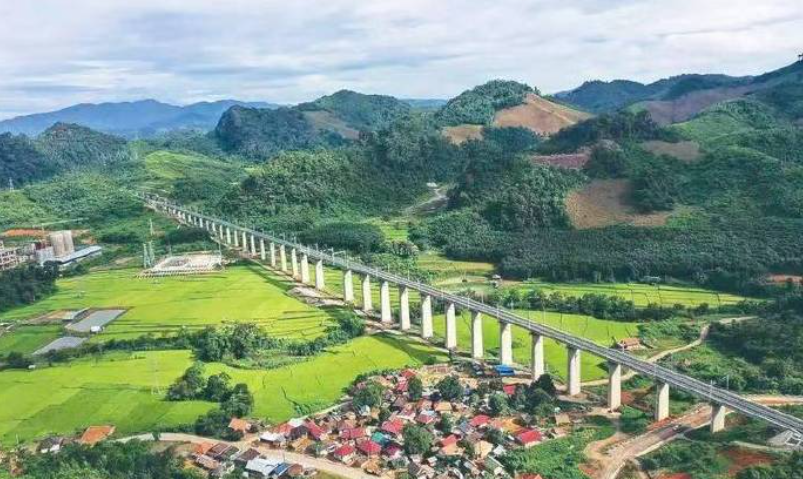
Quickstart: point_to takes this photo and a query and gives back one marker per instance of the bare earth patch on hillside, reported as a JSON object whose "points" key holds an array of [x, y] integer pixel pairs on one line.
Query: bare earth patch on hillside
{"points": [[665, 112], [539, 115], [323, 120], [461, 133], [687, 151], [604, 203], [569, 161]]}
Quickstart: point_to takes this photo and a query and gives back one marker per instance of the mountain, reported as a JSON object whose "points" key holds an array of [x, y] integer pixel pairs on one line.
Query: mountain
{"points": [[143, 118], [679, 98], [502, 104], [329, 120], [21, 161], [69, 146]]}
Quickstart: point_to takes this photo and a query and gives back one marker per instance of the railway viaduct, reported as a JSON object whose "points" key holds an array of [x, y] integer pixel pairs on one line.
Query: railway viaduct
{"points": [[295, 259]]}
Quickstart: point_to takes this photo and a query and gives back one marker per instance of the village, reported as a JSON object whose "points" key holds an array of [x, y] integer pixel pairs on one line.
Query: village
{"points": [[441, 421]]}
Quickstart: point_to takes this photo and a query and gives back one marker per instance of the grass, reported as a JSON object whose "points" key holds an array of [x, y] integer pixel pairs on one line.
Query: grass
{"points": [[162, 306], [641, 294], [127, 390], [165, 167], [27, 339], [118, 389], [598, 330], [16, 209]]}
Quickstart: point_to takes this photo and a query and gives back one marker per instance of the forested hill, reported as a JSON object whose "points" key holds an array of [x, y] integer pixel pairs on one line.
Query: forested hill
{"points": [[60, 148], [677, 98], [143, 118], [328, 121]]}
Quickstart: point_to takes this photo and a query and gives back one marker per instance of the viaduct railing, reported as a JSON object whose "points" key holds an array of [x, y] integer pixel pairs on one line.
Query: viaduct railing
{"points": [[718, 397]]}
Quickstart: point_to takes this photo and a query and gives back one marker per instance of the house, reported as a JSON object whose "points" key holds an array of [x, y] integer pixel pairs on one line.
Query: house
{"points": [[261, 467], [483, 448], [393, 427], [443, 407], [509, 389], [315, 432], [344, 453], [562, 419], [352, 434], [504, 371], [408, 374], [280, 469], [628, 344], [95, 434], [529, 437], [247, 456], [296, 470], [392, 451], [222, 452], [369, 448], [426, 418], [240, 425], [222, 469], [480, 420], [449, 446], [493, 467], [50, 445], [206, 462], [420, 471], [202, 448], [302, 430], [273, 438]]}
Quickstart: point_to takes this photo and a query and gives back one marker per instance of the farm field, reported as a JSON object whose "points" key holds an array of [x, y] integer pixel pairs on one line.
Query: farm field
{"points": [[27, 339], [127, 390], [161, 306], [642, 294], [600, 331]]}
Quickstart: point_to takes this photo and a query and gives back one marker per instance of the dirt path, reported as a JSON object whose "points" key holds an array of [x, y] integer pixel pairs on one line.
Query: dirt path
{"points": [[430, 205], [325, 465], [663, 354]]}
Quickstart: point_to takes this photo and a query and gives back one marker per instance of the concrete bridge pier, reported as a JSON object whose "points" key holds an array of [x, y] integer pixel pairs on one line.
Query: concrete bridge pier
{"points": [[614, 386], [228, 235], [451, 327], [477, 346], [294, 262], [718, 413], [272, 247], [537, 356], [426, 316], [661, 401], [385, 312], [253, 246], [304, 268], [236, 235], [404, 308], [348, 286], [283, 257], [320, 279], [245, 243], [262, 249], [367, 301], [505, 343], [573, 372]]}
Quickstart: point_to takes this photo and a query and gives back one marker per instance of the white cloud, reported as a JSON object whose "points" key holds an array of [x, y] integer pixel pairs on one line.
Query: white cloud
{"points": [[56, 53]]}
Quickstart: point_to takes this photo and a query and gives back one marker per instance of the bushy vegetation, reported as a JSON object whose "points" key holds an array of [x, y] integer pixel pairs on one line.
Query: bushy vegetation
{"points": [[478, 105], [72, 146], [235, 401], [21, 162], [623, 126], [26, 285], [260, 133], [729, 118], [357, 237], [108, 460]]}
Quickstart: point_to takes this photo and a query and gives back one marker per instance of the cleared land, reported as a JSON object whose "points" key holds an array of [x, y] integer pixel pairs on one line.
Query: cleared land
{"points": [[539, 115], [688, 151], [162, 306], [128, 389], [462, 133], [604, 203]]}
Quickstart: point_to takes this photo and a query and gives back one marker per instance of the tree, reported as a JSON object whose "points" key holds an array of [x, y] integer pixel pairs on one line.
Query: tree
{"points": [[217, 387], [546, 384], [450, 388], [495, 436], [415, 388], [446, 424], [239, 403], [498, 404], [417, 439], [368, 394], [190, 385], [17, 360]]}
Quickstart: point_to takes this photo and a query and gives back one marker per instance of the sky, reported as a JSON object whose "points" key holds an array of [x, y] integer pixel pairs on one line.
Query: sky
{"points": [[55, 53]]}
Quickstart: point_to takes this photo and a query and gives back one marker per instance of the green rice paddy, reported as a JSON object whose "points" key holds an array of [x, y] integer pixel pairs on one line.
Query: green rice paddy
{"points": [[642, 294]]}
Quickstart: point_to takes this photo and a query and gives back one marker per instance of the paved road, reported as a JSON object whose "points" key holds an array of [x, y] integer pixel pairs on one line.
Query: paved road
{"points": [[616, 457], [325, 465]]}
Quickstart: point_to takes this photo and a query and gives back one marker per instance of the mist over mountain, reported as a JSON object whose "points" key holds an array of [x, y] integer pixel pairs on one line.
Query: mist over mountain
{"points": [[144, 118]]}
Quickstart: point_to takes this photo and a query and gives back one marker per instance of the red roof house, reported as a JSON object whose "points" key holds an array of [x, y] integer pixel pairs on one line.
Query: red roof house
{"points": [[393, 427], [315, 431], [509, 389], [369, 448], [352, 433], [529, 437], [479, 420], [344, 453]]}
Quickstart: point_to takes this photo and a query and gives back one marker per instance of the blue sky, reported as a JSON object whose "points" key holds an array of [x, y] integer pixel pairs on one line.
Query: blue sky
{"points": [[60, 52]]}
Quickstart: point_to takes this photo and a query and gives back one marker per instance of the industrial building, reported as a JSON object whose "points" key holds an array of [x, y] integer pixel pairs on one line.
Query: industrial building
{"points": [[9, 258]]}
